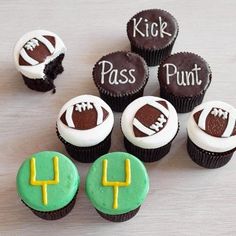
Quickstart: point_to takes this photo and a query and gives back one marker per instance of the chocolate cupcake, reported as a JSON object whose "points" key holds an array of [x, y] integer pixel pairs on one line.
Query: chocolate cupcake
{"points": [[120, 78], [117, 184], [184, 78], [47, 183], [38, 57], [152, 34], [149, 125], [84, 126], [212, 134]]}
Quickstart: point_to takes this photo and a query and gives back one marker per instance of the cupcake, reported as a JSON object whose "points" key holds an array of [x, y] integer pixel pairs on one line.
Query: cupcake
{"points": [[149, 125], [84, 126], [212, 134], [47, 183], [120, 78], [184, 79], [38, 57], [152, 34], [117, 184]]}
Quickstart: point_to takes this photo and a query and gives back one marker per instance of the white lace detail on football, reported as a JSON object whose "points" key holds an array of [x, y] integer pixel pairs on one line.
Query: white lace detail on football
{"points": [[83, 106], [220, 113], [159, 124], [30, 45]]}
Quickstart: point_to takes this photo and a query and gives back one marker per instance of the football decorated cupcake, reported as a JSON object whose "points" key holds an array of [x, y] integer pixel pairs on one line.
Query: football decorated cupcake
{"points": [[184, 79], [47, 183], [84, 126], [120, 78], [117, 184], [152, 34], [38, 57], [149, 125], [212, 134]]}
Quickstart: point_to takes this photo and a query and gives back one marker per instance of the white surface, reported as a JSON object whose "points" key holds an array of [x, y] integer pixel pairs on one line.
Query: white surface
{"points": [[184, 199]]}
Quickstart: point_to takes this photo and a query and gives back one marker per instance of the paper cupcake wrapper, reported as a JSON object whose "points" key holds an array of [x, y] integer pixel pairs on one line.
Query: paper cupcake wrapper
{"points": [[118, 104], [153, 57], [87, 154], [182, 104], [208, 159], [46, 84], [57, 214], [148, 155], [120, 217]]}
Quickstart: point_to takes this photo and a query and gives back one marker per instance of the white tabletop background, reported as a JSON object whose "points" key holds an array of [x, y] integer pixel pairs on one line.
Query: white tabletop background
{"points": [[184, 199]]}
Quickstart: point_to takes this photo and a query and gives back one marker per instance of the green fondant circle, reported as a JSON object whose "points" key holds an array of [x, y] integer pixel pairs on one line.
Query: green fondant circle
{"points": [[58, 195], [130, 197]]}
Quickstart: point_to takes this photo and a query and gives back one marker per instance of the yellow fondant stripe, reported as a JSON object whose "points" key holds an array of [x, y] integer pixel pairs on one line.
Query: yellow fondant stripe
{"points": [[44, 183], [116, 184]]}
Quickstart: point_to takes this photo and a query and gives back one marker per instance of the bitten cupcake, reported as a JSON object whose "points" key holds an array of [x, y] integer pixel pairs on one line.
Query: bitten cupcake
{"points": [[152, 34], [117, 184], [47, 183], [149, 125], [184, 79], [84, 126], [38, 57], [212, 134], [120, 78]]}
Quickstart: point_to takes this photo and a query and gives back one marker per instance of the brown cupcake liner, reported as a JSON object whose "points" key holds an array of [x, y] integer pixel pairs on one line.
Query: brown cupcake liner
{"points": [[153, 57], [87, 154], [120, 217], [57, 214], [210, 160], [52, 69], [148, 155], [182, 104], [119, 103]]}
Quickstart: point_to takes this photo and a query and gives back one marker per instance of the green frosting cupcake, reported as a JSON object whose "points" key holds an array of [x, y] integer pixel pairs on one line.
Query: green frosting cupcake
{"points": [[117, 183], [47, 181]]}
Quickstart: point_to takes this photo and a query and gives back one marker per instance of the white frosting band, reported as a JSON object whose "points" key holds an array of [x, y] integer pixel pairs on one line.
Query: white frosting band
{"points": [[206, 141], [89, 137], [36, 71], [156, 140]]}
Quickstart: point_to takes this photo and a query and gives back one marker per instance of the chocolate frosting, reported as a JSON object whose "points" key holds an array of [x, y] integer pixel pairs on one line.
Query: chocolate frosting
{"points": [[184, 74], [120, 73], [165, 29]]}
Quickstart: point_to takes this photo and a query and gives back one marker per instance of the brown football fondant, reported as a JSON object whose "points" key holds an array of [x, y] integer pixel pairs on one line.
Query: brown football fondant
{"points": [[83, 119], [148, 116]]}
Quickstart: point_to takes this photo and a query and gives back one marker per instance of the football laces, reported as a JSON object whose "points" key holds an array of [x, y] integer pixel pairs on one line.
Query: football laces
{"points": [[83, 106], [220, 113], [31, 44]]}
